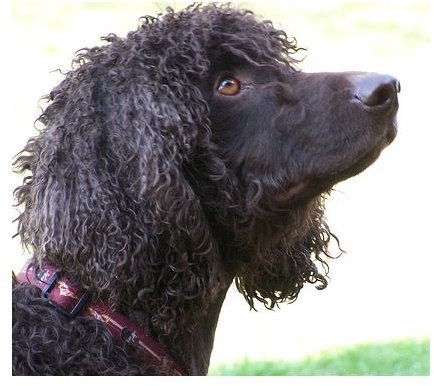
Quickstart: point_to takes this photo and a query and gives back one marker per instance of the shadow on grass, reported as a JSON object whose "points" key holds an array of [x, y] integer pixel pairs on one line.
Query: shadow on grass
{"points": [[404, 357]]}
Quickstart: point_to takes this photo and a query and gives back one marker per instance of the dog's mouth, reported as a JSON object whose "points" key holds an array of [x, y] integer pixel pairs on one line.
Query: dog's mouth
{"points": [[290, 193], [313, 185], [366, 158]]}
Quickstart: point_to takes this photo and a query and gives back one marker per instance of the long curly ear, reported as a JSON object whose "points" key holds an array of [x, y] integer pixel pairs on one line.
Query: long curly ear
{"points": [[108, 200], [278, 273]]}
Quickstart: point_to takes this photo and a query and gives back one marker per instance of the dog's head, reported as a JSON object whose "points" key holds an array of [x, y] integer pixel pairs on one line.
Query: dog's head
{"points": [[286, 138], [190, 149]]}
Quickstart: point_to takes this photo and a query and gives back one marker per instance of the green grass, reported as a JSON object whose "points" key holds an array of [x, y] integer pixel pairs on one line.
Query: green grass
{"points": [[405, 357]]}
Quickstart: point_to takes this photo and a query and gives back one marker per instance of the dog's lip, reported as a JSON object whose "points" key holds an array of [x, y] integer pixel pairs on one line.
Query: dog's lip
{"points": [[314, 185], [368, 157], [365, 159], [289, 193]]}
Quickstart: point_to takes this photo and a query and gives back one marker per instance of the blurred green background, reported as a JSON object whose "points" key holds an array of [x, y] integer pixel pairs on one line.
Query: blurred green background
{"points": [[374, 317]]}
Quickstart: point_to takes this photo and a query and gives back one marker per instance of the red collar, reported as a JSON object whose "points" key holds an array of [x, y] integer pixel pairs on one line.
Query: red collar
{"points": [[72, 301]]}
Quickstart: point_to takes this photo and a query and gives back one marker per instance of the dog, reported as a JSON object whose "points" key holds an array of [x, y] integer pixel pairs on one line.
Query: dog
{"points": [[189, 155]]}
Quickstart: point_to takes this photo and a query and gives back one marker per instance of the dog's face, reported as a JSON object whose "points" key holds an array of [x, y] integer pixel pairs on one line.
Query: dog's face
{"points": [[295, 133]]}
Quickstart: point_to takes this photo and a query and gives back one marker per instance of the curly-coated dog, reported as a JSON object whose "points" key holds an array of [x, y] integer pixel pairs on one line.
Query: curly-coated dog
{"points": [[172, 162]]}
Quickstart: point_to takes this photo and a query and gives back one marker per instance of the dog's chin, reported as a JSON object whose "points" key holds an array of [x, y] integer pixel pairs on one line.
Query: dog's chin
{"points": [[313, 185], [364, 160]]}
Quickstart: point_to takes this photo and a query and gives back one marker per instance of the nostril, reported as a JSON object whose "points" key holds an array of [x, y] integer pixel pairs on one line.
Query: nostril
{"points": [[379, 96], [376, 90]]}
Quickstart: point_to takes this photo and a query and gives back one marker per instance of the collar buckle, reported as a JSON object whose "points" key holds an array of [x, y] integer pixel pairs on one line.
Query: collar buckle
{"points": [[74, 308]]}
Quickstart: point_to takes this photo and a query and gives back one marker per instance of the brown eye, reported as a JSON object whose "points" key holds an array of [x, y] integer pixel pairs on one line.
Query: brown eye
{"points": [[229, 86]]}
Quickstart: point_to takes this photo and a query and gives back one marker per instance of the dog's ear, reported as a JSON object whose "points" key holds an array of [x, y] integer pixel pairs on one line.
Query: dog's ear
{"points": [[108, 200], [278, 273]]}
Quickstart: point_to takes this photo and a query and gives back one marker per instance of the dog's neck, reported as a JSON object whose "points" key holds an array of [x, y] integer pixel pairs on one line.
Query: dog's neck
{"points": [[194, 348]]}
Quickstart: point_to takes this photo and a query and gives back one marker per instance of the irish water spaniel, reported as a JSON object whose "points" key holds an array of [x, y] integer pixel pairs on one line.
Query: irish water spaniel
{"points": [[188, 155]]}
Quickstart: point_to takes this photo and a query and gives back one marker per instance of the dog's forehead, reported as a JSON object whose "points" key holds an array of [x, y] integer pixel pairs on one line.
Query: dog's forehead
{"points": [[245, 70]]}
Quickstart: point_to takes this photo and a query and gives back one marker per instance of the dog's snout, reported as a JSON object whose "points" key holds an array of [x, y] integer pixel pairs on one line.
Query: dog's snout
{"points": [[376, 90]]}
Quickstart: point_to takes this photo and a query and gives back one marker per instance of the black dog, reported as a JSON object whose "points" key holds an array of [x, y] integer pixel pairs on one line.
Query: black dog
{"points": [[173, 161]]}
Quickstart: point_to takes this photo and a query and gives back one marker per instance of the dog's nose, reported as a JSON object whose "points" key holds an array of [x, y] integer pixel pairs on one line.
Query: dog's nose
{"points": [[377, 91]]}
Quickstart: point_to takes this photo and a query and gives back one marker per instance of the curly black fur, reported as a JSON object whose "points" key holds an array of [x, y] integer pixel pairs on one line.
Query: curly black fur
{"points": [[152, 191]]}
